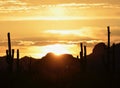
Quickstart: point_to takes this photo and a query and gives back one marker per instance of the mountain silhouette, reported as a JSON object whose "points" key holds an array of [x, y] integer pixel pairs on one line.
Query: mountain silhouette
{"points": [[97, 57], [56, 71]]}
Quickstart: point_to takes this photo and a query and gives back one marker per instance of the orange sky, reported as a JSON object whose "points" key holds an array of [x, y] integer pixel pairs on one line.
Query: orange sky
{"points": [[31, 21], [64, 9]]}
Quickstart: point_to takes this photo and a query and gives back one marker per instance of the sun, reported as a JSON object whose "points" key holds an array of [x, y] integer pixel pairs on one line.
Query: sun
{"points": [[41, 51], [57, 49]]}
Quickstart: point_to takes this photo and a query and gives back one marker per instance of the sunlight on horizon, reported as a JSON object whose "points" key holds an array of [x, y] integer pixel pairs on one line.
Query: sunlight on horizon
{"points": [[57, 49]]}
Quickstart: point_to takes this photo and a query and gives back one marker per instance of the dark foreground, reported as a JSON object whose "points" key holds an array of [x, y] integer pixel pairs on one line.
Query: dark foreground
{"points": [[63, 71], [85, 80]]}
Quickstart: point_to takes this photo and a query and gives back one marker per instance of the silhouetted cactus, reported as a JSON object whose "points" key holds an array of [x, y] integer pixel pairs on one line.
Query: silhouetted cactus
{"points": [[108, 29], [18, 67], [9, 46], [108, 49], [81, 52], [85, 52], [9, 54], [83, 57]]}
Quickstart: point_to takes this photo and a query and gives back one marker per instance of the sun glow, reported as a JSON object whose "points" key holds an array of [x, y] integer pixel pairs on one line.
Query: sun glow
{"points": [[41, 51], [57, 11], [57, 49]]}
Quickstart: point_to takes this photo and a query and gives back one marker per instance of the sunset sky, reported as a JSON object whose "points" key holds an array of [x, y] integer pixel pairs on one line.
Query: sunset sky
{"points": [[45, 22]]}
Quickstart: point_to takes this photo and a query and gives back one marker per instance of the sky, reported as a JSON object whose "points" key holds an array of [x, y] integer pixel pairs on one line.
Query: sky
{"points": [[42, 22]]}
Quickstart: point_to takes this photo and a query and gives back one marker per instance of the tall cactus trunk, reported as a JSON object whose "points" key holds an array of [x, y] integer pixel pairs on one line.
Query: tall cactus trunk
{"points": [[18, 67], [9, 54], [108, 29], [85, 53], [9, 46], [85, 58], [81, 52], [108, 50]]}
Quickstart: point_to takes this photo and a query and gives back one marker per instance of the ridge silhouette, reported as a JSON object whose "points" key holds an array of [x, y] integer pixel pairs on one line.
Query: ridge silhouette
{"points": [[64, 70], [100, 69]]}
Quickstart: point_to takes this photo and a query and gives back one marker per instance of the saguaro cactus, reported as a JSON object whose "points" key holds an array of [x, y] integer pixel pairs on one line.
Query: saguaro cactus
{"points": [[85, 52], [108, 29], [81, 52], [9, 54], [18, 67], [9, 46], [108, 49], [83, 58]]}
